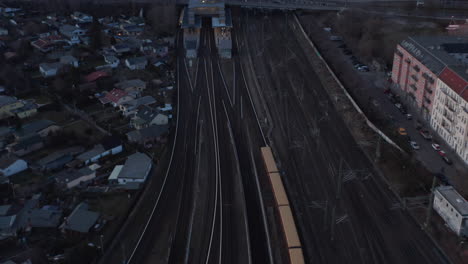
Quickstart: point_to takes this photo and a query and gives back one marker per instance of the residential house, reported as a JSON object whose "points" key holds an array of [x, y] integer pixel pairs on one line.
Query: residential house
{"points": [[71, 178], [453, 208], [72, 33], [94, 76], [48, 43], [11, 165], [116, 97], [42, 127], [120, 48], [131, 30], [135, 20], [8, 104], [6, 227], [82, 17], [148, 135], [136, 63], [131, 85], [112, 61], [26, 145], [449, 116], [3, 31], [45, 217], [147, 116], [131, 107], [166, 108], [70, 60], [27, 110], [109, 146], [58, 159], [50, 69], [136, 169], [156, 49], [81, 219]]}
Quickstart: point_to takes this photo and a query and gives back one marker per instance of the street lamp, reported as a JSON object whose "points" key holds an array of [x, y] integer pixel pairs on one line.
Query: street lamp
{"points": [[102, 244]]}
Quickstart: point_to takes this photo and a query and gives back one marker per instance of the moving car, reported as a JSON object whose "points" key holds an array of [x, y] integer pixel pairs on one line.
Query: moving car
{"points": [[402, 131], [447, 160], [435, 146], [425, 134], [414, 145]]}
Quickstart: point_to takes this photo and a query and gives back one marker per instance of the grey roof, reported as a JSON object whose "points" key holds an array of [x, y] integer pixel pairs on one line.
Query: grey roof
{"points": [[7, 221], [145, 100], [430, 50], [98, 149], [67, 59], [137, 60], [67, 30], [69, 175], [6, 100], [454, 198], [4, 209], [5, 131], [136, 166], [26, 142], [147, 113], [130, 83], [44, 218], [147, 133], [81, 219], [59, 155], [50, 66], [33, 127]]}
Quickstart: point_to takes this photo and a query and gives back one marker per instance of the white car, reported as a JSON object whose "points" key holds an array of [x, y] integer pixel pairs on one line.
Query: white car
{"points": [[398, 105], [414, 145], [435, 146]]}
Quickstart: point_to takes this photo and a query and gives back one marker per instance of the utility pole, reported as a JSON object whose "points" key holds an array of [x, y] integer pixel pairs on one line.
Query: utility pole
{"points": [[429, 206], [337, 198]]}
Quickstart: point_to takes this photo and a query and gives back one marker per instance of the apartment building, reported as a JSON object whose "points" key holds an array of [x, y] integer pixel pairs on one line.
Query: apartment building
{"points": [[418, 61], [450, 110]]}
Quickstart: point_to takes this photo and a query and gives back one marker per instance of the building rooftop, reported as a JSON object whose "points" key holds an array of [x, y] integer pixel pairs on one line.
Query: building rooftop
{"points": [[130, 84], [69, 175], [454, 198], [98, 149], [33, 127], [136, 166], [456, 78], [80, 219], [434, 51], [148, 132], [137, 60], [7, 160], [6, 100]]}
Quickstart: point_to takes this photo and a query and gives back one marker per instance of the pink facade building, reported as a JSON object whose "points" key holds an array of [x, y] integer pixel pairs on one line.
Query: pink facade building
{"points": [[417, 63]]}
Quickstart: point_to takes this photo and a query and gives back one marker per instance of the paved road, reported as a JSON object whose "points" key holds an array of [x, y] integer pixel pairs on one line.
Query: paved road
{"points": [[345, 212]]}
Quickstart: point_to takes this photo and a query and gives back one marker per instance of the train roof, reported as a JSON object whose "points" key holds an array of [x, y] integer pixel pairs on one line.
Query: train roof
{"points": [[269, 160], [289, 226], [278, 189]]}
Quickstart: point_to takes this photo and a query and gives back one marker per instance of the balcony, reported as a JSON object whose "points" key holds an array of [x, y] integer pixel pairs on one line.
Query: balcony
{"points": [[414, 78], [407, 60], [447, 117], [411, 95], [450, 108], [416, 68], [412, 86], [398, 53], [427, 100]]}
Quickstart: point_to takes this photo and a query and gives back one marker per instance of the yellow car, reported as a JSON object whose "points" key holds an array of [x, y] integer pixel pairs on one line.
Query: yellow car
{"points": [[402, 131]]}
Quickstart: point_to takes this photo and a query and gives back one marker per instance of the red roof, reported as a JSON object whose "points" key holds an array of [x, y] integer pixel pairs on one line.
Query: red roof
{"points": [[455, 82], [92, 77], [115, 95], [41, 43]]}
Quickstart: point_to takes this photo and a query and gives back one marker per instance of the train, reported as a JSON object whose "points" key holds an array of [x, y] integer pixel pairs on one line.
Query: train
{"points": [[288, 224]]}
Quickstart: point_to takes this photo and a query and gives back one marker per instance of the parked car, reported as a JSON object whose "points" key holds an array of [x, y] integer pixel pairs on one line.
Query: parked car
{"points": [[442, 153], [398, 105], [402, 131], [363, 68], [414, 145], [342, 46], [403, 110], [425, 134], [409, 116], [435, 146], [447, 160]]}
